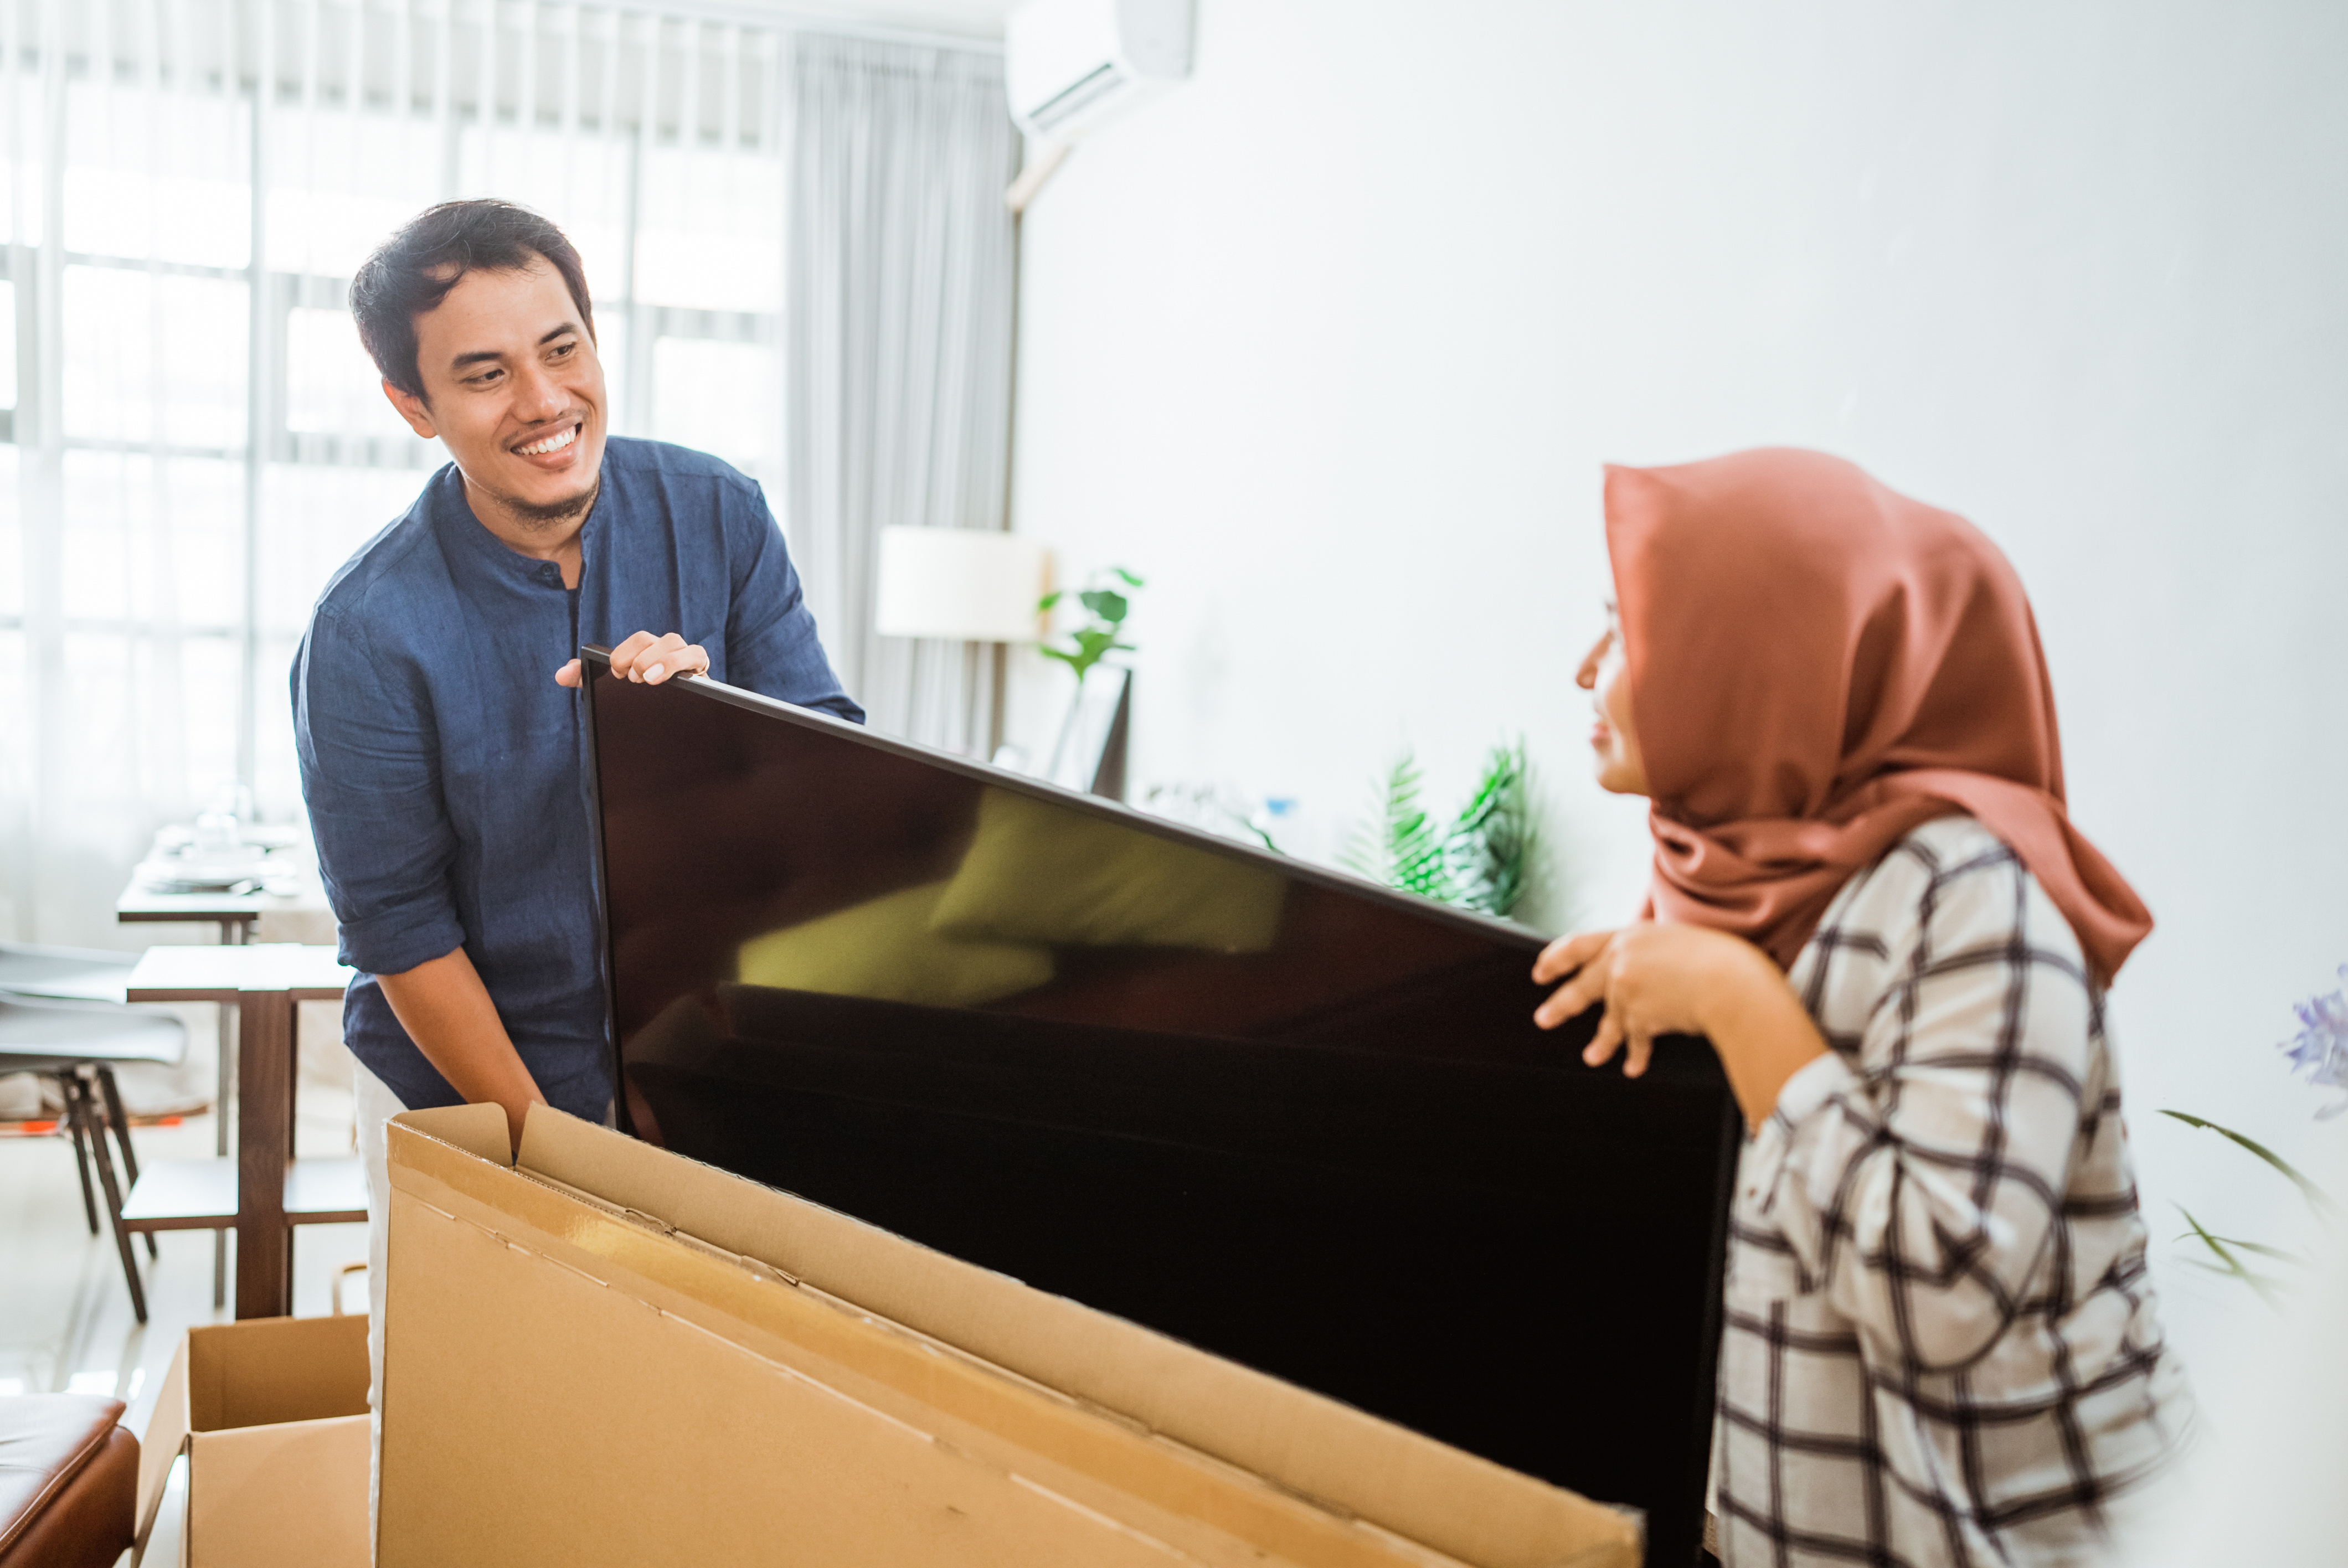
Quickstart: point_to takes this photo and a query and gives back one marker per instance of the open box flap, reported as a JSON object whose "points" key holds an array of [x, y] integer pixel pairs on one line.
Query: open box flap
{"points": [[166, 1435], [479, 1129], [272, 1370]]}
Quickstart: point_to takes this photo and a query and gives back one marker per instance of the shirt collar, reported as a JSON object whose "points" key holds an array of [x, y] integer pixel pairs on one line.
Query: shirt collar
{"points": [[469, 542]]}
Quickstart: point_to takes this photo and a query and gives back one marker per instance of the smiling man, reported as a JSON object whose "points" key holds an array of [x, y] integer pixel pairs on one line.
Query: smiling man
{"points": [[435, 701]]}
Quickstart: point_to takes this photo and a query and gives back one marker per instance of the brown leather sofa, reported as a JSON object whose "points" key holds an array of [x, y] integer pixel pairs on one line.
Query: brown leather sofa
{"points": [[68, 1481]]}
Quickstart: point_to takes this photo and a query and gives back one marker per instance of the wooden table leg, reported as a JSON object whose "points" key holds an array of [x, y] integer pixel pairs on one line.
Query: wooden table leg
{"points": [[292, 1081], [232, 934], [264, 1245]]}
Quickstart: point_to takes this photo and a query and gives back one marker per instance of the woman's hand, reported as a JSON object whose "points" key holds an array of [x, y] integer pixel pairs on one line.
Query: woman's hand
{"points": [[1668, 979], [1653, 979]]}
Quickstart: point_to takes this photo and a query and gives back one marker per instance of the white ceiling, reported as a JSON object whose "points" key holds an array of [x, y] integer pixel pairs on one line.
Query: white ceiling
{"points": [[973, 19]]}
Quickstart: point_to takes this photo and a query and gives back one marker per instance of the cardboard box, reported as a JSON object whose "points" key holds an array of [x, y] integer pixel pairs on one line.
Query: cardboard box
{"points": [[271, 1414], [608, 1354]]}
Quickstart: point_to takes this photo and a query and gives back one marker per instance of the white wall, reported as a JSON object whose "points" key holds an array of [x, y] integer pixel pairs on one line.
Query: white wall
{"points": [[1331, 342]]}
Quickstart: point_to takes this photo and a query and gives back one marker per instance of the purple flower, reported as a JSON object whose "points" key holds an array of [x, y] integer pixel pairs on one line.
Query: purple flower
{"points": [[2322, 1044]]}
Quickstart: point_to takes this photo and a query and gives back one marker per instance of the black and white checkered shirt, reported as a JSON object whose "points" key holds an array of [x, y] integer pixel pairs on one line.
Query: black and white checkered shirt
{"points": [[1942, 1347]]}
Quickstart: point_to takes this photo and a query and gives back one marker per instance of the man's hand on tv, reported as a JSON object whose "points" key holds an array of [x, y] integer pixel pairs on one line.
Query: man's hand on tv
{"points": [[646, 659]]}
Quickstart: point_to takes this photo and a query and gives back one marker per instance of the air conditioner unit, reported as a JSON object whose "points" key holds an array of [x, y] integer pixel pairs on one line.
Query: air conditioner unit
{"points": [[1071, 64]]}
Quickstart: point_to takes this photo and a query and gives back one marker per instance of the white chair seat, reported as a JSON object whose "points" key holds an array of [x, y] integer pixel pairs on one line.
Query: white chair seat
{"points": [[42, 1035]]}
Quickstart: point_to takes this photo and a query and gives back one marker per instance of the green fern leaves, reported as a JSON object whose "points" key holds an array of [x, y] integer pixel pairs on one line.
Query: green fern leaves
{"points": [[1480, 861], [1490, 848]]}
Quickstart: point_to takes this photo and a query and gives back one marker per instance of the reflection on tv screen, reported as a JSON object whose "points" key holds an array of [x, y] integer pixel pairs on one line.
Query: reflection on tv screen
{"points": [[1296, 1120]]}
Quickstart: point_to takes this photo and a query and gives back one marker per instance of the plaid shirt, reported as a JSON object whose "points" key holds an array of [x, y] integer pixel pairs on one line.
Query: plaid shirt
{"points": [[1940, 1345]]}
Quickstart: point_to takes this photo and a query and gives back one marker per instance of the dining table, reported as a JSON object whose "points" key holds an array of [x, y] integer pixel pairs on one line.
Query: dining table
{"points": [[261, 1191]]}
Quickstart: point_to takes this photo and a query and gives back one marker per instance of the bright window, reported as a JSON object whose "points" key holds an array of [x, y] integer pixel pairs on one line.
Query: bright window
{"points": [[159, 551]]}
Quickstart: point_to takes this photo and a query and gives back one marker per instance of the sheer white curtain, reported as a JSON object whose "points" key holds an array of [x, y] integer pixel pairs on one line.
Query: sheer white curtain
{"points": [[899, 281], [190, 438]]}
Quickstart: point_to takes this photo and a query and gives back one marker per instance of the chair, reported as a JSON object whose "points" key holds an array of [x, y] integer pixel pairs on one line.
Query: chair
{"points": [[68, 1481], [84, 974], [75, 1044]]}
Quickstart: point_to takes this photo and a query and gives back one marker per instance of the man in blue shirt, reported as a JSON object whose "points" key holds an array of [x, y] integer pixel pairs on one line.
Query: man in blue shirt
{"points": [[437, 713], [436, 696]]}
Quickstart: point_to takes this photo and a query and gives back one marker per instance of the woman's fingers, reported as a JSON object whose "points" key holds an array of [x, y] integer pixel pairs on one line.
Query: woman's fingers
{"points": [[1573, 998], [1567, 954], [1593, 959], [1642, 1047], [1583, 956], [1566, 1001], [1638, 1046], [1602, 1044]]}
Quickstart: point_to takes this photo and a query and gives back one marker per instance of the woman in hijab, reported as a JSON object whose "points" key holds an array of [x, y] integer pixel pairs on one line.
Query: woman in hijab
{"points": [[1940, 1345]]}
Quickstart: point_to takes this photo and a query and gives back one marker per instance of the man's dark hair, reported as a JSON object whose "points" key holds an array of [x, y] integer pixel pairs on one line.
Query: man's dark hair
{"points": [[411, 273]]}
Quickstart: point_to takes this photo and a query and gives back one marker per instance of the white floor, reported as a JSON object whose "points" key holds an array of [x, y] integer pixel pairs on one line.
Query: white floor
{"points": [[65, 1323]]}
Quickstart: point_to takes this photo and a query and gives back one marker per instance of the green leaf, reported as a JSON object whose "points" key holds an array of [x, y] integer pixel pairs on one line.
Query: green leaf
{"points": [[2317, 1198], [2269, 1287], [1491, 844], [1401, 846], [2278, 1254], [1049, 599], [1105, 602], [2266, 1288], [1480, 860], [1130, 581]]}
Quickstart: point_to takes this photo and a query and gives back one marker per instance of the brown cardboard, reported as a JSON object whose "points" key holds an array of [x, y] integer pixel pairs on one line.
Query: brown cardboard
{"points": [[271, 1414], [607, 1353]]}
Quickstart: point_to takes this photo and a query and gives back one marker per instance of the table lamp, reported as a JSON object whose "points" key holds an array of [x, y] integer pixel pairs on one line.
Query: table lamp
{"points": [[961, 584]]}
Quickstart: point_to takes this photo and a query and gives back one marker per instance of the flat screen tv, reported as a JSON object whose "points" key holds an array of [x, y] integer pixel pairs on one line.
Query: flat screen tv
{"points": [[1287, 1116]]}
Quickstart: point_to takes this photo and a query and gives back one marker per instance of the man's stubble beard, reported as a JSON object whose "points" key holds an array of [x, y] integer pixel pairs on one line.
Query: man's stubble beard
{"points": [[550, 514]]}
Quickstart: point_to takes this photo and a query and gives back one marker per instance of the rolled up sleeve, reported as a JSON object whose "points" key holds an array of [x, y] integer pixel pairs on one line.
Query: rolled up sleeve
{"points": [[367, 744]]}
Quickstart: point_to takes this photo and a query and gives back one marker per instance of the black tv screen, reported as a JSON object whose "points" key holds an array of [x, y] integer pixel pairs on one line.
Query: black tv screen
{"points": [[1292, 1118]]}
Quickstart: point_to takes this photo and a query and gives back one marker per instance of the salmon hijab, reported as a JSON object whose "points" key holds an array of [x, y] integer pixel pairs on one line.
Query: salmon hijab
{"points": [[1818, 664]]}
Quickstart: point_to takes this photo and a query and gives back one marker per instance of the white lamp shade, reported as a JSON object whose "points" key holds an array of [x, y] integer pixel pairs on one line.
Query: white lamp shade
{"points": [[960, 584]]}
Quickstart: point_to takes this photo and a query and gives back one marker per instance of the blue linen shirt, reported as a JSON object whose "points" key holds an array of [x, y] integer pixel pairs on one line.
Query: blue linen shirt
{"points": [[445, 772]]}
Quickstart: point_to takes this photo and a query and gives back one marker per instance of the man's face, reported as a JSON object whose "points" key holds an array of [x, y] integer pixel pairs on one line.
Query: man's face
{"points": [[513, 386]]}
